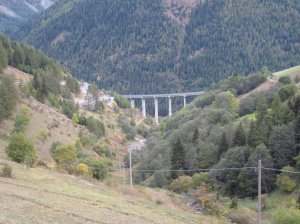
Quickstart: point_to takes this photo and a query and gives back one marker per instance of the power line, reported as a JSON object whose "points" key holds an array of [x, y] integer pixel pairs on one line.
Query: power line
{"points": [[281, 170], [195, 170]]}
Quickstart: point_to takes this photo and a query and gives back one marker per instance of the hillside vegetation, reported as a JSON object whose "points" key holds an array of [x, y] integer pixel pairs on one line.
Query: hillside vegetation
{"points": [[137, 46], [233, 125]]}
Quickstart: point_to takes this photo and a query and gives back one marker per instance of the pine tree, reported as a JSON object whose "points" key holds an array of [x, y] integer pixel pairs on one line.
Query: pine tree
{"points": [[3, 57], [177, 158], [240, 136], [223, 147], [195, 136], [297, 135]]}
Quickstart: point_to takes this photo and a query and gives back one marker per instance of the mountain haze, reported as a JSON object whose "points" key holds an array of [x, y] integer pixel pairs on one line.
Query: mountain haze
{"points": [[138, 46], [14, 13]]}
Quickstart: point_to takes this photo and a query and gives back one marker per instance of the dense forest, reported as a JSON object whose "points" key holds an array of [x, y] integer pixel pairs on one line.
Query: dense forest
{"points": [[133, 46], [222, 129]]}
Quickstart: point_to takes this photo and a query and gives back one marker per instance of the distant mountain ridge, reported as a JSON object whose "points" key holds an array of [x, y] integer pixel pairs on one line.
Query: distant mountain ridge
{"points": [[14, 13], [141, 46]]}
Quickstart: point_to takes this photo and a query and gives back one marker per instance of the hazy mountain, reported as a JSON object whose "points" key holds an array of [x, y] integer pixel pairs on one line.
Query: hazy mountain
{"points": [[168, 45], [14, 13]]}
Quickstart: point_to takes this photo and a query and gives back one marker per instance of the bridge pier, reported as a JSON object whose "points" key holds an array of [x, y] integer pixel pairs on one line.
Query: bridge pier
{"points": [[184, 101], [170, 106], [132, 103], [156, 110], [144, 107]]}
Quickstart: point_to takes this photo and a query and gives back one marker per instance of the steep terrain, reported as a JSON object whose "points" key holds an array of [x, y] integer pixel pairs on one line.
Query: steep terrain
{"points": [[137, 46]]}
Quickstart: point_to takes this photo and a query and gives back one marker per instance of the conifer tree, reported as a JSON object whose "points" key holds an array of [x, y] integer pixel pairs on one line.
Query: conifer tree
{"points": [[297, 135], [177, 158], [240, 136], [195, 136], [3, 57], [223, 147]]}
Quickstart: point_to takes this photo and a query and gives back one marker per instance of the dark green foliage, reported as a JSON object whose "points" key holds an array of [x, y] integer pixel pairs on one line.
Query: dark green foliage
{"points": [[21, 150], [297, 134], [248, 177], [127, 127], [99, 168], [223, 146], [282, 145], [177, 158], [141, 46], [3, 58], [95, 126], [121, 101], [285, 80], [287, 91], [22, 120], [68, 108], [240, 136], [8, 97]]}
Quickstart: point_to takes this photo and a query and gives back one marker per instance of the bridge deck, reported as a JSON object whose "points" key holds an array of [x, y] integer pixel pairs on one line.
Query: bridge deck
{"points": [[143, 96]]}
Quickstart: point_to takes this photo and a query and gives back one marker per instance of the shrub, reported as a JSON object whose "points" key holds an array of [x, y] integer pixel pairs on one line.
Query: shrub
{"points": [[83, 169], [96, 127], [286, 183], [199, 179], [22, 120], [6, 171], [103, 151], [68, 108], [127, 128], [65, 156], [121, 101], [181, 184], [286, 216], [287, 91], [285, 80], [100, 168], [21, 150]]}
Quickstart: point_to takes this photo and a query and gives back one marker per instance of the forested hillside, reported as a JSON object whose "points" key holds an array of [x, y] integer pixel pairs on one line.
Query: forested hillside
{"points": [[137, 46], [207, 149]]}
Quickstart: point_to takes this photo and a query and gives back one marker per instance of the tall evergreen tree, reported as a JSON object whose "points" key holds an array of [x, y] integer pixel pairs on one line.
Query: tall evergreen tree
{"points": [[177, 158], [297, 134], [3, 57], [240, 136], [195, 136], [224, 146]]}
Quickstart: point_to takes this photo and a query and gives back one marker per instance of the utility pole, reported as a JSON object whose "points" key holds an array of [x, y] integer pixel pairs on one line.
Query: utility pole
{"points": [[259, 193], [130, 168]]}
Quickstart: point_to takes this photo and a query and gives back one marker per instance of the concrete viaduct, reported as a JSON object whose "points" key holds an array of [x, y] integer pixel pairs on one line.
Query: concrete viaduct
{"points": [[155, 97]]}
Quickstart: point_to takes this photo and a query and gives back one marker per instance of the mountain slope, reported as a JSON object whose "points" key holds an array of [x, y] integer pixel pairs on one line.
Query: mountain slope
{"points": [[14, 13], [137, 46]]}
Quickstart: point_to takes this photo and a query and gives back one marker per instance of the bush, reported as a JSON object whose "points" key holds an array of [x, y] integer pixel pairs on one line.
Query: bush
{"points": [[285, 80], [127, 128], [286, 183], [6, 171], [21, 150], [96, 127], [68, 108], [22, 120], [287, 91], [100, 168], [65, 156], [286, 216], [83, 169], [121, 101], [199, 179], [181, 184], [103, 151]]}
